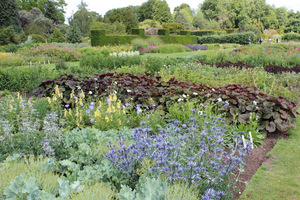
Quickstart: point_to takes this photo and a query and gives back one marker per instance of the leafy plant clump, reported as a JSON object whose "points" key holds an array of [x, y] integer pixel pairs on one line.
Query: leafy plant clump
{"points": [[241, 102]]}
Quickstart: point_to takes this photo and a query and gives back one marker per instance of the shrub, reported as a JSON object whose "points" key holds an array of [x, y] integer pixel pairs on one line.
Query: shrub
{"points": [[208, 32], [10, 60], [165, 32], [292, 36], [151, 31], [239, 38], [8, 36], [38, 38], [173, 27], [53, 53], [56, 36], [138, 31], [153, 64], [74, 34]]}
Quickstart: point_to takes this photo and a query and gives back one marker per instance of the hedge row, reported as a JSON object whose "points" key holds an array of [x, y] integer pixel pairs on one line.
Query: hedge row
{"points": [[292, 36], [239, 38], [208, 32], [99, 38]]}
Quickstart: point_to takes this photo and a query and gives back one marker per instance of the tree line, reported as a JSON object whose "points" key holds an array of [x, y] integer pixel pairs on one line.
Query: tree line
{"points": [[45, 17]]}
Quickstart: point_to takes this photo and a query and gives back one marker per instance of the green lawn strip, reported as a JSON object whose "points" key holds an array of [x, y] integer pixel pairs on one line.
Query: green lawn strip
{"points": [[281, 178]]}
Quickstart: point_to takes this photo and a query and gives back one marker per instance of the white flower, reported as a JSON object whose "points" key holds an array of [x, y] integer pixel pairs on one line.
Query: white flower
{"points": [[115, 91], [219, 99], [180, 99], [78, 87], [184, 96], [95, 79], [128, 90], [254, 102], [200, 112], [213, 89], [90, 92], [195, 93]]}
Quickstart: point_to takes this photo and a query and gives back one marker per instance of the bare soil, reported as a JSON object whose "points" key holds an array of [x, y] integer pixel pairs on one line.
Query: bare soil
{"points": [[257, 157]]}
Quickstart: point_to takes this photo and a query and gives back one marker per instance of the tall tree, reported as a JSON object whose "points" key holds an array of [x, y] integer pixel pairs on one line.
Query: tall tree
{"points": [[83, 18], [161, 11], [51, 12], [182, 19], [41, 4], [9, 15], [145, 11], [125, 16]]}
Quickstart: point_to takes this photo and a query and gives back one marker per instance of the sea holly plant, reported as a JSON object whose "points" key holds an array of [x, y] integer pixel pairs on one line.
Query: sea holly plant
{"points": [[191, 154]]}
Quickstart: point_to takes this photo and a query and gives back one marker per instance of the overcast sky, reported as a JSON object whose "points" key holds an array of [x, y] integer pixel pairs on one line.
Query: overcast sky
{"points": [[101, 6]]}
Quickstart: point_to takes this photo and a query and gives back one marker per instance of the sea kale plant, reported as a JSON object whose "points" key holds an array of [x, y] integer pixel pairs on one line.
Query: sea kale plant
{"points": [[183, 152]]}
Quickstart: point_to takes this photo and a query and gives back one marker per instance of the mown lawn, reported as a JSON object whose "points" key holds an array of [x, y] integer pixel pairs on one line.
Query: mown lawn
{"points": [[281, 178]]}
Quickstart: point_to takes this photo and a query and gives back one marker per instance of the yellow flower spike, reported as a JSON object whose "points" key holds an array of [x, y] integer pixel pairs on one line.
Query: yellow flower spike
{"points": [[82, 94], [113, 109], [77, 113], [54, 98], [119, 121], [109, 109], [18, 95], [119, 104], [124, 111], [97, 113], [107, 119], [49, 100], [56, 90], [109, 98], [114, 97], [72, 94], [100, 104], [80, 101], [65, 113], [10, 108], [70, 112]]}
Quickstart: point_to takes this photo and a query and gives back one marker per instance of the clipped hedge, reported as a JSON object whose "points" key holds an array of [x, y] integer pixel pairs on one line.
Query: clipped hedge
{"points": [[99, 38], [164, 32], [208, 32], [238, 38], [185, 33], [138, 31], [179, 39], [291, 36]]}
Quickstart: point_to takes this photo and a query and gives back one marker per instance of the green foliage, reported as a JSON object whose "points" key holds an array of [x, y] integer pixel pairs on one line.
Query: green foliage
{"points": [[161, 12], [138, 31], [23, 177], [208, 32], [291, 36], [8, 36], [171, 48], [145, 11], [110, 28], [239, 38], [74, 34], [165, 32], [185, 33], [181, 192], [56, 36], [110, 62], [24, 79], [173, 27], [27, 143], [97, 191], [179, 39], [153, 64], [147, 188], [38, 38], [9, 15]]}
